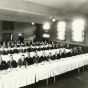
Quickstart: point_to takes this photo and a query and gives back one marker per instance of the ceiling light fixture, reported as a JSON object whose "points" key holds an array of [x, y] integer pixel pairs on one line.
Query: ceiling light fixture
{"points": [[53, 19], [33, 23]]}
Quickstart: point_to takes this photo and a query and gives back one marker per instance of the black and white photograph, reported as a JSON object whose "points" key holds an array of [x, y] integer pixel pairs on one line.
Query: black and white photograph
{"points": [[43, 43]]}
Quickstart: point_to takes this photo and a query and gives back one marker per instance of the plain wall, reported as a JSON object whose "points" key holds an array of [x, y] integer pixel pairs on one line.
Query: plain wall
{"points": [[20, 27]]}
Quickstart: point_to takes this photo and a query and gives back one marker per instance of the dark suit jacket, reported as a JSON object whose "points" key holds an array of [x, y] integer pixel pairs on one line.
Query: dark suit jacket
{"points": [[29, 60], [15, 51], [21, 63], [9, 52], [69, 54], [60, 56], [3, 65], [20, 50], [50, 57], [55, 57], [64, 55], [12, 64], [3, 52], [36, 59], [43, 58]]}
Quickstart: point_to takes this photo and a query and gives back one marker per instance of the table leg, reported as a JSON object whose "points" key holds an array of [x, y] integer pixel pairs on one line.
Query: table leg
{"points": [[47, 81], [54, 78], [79, 70]]}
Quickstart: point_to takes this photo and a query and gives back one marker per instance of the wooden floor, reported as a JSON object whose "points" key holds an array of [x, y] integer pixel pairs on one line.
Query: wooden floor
{"points": [[68, 80]]}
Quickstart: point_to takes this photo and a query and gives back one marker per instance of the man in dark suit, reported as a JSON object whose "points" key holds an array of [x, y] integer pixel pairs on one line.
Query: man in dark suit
{"points": [[3, 64], [36, 58], [55, 56], [69, 54], [22, 61], [80, 50], [9, 51], [15, 50], [3, 52], [43, 57], [26, 49], [11, 63], [50, 57], [64, 54], [20, 50], [29, 59], [60, 54], [75, 51]]}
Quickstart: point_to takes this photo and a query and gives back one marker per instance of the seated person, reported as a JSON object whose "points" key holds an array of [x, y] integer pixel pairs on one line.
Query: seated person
{"points": [[15, 50], [11, 63], [3, 64], [29, 59], [69, 54], [64, 54], [36, 58], [26, 49], [20, 50], [60, 54], [3, 52], [80, 50], [50, 57], [75, 51], [55, 56], [22, 61], [43, 57], [12, 45], [9, 51]]}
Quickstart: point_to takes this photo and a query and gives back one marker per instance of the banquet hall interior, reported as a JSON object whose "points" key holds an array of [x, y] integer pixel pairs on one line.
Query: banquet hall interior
{"points": [[43, 43]]}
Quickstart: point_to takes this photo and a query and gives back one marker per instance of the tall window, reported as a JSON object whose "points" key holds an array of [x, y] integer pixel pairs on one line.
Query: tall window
{"points": [[61, 27], [78, 27]]}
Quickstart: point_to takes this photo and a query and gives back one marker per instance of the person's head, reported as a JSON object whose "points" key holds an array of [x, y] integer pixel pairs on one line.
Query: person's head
{"points": [[43, 54], [15, 47], [0, 59], [64, 51], [50, 54], [71, 50], [11, 58], [28, 54], [20, 47], [79, 48], [26, 47], [2, 48], [60, 51], [9, 48], [56, 53], [22, 57], [36, 54]]}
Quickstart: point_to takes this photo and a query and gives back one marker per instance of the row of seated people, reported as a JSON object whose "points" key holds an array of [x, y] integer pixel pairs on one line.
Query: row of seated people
{"points": [[21, 50], [29, 49], [18, 43], [35, 59]]}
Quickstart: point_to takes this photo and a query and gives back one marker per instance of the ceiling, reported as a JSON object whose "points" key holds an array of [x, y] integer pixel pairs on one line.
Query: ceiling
{"points": [[40, 11], [65, 5]]}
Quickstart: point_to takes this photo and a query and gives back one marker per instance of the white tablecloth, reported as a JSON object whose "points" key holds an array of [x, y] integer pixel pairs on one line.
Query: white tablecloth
{"points": [[41, 71]]}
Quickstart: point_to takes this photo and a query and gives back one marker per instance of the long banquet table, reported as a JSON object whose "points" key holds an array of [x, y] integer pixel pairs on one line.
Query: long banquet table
{"points": [[20, 77]]}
